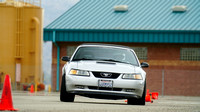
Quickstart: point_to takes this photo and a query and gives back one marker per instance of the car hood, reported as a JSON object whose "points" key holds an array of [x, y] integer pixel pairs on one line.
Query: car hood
{"points": [[105, 66]]}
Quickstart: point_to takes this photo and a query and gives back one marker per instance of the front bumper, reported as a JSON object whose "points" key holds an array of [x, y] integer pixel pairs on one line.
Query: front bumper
{"points": [[123, 88]]}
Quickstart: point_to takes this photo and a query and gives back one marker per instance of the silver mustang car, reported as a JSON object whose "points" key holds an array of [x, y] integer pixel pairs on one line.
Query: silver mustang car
{"points": [[104, 71]]}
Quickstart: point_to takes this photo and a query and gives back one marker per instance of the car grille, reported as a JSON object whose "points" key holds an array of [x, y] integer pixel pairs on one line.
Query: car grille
{"points": [[103, 88], [99, 75]]}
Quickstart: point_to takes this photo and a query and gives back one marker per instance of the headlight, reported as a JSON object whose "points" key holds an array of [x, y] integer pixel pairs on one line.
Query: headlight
{"points": [[136, 76], [79, 72]]}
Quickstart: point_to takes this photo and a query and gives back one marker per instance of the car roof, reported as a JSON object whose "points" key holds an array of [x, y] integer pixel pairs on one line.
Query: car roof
{"points": [[103, 45]]}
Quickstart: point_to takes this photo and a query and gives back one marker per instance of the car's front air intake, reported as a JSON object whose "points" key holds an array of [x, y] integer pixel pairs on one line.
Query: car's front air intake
{"points": [[106, 75], [103, 88]]}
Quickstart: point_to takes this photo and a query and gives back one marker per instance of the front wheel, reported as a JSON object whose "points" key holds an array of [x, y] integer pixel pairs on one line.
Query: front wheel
{"points": [[140, 101], [64, 95]]}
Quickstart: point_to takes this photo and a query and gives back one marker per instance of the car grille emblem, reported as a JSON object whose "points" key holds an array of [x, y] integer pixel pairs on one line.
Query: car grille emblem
{"points": [[106, 74]]}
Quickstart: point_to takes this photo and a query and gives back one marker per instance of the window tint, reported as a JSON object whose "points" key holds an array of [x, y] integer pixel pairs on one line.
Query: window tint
{"points": [[106, 53]]}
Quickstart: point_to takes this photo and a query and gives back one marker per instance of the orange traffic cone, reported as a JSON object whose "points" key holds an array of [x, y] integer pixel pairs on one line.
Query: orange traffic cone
{"points": [[147, 92], [148, 97], [6, 102], [154, 95], [32, 89]]}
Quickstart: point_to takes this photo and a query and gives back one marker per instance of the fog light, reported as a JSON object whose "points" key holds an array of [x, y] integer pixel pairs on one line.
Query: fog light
{"points": [[130, 90], [80, 87]]}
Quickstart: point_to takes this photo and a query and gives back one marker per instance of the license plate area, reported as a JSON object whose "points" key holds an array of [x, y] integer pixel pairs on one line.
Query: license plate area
{"points": [[105, 83]]}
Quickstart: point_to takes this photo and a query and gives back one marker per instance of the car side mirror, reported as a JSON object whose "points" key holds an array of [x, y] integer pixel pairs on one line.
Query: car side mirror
{"points": [[144, 65], [65, 58]]}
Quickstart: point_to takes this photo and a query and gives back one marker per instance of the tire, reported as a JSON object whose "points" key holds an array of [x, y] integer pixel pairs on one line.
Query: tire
{"points": [[64, 95], [140, 101]]}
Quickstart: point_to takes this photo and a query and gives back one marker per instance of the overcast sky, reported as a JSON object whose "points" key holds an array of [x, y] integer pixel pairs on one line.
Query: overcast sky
{"points": [[52, 10]]}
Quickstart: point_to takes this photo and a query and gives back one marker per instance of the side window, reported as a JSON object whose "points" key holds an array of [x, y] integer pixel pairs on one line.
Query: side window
{"points": [[141, 52], [70, 50], [190, 54]]}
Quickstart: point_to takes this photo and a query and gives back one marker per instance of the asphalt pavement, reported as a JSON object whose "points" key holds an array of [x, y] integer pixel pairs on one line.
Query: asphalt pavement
{"points": [[49, 102]]}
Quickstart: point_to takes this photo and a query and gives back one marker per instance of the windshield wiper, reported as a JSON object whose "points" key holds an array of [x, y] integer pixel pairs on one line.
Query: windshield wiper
{"points": [[111, 60]]}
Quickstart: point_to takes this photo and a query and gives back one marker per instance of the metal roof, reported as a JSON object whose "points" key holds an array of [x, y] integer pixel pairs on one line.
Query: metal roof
{"points": [[141, 15]]}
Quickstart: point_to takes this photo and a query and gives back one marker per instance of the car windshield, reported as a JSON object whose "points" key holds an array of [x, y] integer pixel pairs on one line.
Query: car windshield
{"points": [[106, 54]]}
